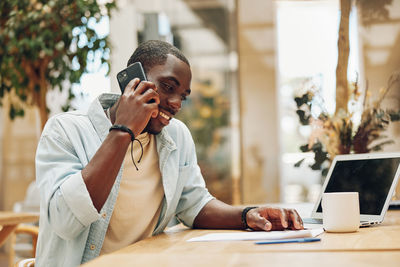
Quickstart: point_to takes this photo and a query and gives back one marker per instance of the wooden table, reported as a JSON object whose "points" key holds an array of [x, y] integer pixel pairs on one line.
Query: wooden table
{"points": [[373, 246], [10, 220]]}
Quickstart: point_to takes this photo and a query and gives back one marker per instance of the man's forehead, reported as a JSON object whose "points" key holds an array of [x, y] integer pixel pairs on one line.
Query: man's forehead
{"points": [[173, 67]]}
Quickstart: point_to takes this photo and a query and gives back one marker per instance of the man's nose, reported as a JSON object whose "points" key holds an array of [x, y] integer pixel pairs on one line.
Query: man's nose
{"points": [[174, 102]]}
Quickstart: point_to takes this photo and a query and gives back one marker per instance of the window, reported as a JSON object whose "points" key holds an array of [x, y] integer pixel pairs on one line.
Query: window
{"points": [[307, 33]]}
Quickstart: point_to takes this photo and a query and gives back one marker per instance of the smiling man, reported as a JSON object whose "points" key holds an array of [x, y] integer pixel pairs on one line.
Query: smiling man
{"points": [[97, 198]]}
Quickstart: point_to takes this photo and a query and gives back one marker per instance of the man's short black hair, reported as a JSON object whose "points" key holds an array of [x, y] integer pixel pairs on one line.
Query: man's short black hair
{"points": [[155, 52]]}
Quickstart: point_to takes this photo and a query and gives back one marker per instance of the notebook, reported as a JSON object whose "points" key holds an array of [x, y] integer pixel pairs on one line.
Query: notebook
{"points": [[373, 175]]}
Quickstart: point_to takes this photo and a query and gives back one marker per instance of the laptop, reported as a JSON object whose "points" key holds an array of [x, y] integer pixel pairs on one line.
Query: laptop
{"points": [[373, 175]]}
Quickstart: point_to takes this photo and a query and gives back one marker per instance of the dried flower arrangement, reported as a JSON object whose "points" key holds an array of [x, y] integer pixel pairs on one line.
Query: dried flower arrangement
{"points": [[345, 132]]}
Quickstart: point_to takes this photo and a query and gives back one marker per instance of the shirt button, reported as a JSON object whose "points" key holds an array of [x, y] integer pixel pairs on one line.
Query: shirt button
{"points": [[104, 215], [92, 247]]}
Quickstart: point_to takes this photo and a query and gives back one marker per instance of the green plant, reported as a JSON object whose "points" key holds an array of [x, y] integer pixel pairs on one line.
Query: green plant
{"points": [[345, 132], [340, 133], [44, 43]]}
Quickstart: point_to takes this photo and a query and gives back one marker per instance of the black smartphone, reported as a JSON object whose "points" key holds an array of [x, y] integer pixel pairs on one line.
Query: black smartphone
{"points": [[133, 71]]}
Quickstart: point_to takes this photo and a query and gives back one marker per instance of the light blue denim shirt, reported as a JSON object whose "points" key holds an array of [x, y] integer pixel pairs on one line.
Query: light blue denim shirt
{"points": [[71, 231]]}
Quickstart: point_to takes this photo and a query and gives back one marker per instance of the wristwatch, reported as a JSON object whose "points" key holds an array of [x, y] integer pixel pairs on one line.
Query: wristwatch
{"points": [[244, 220]]}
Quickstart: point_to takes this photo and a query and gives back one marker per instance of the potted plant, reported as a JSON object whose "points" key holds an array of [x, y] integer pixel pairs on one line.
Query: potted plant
{"points": [[344, 132]]}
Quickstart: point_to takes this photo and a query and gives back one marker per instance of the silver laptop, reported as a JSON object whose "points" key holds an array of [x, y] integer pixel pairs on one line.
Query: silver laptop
{"points": [[374, 176]]}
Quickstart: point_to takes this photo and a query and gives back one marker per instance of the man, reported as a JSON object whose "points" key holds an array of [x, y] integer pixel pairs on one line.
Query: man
{"points": [[93, 199]]}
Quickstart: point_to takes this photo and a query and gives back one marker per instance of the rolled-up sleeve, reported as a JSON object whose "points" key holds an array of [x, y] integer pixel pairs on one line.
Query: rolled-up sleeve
{"points": [[194, 195], [65, 201]]}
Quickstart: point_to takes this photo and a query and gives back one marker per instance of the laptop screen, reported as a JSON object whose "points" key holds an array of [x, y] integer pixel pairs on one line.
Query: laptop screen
{"points": [[371, 178]]}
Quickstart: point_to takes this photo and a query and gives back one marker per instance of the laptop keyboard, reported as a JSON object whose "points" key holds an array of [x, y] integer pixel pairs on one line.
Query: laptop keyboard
{"points": [[312, 221], [319, 221]]}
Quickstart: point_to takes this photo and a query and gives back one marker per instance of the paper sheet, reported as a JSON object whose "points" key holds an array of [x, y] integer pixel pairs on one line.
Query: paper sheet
{"points": [[259, 235]]}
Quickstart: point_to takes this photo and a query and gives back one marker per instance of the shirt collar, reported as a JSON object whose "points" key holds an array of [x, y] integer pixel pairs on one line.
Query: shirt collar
{"points": [[97, 116]]}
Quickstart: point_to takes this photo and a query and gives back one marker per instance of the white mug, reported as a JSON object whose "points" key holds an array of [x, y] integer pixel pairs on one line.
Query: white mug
{"points": [[341, 212]]}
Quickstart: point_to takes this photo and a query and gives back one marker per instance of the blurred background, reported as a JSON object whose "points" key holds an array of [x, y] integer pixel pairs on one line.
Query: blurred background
{"points": [[250, 59]]}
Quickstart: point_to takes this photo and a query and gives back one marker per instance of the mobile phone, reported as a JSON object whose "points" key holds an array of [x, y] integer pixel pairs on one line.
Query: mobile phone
{"points": [[133, 71]]}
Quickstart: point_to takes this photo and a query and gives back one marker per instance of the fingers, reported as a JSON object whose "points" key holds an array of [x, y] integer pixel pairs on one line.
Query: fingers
{"points": [[144, 86], [284, 219], [154, 109], [297, 222], [140, 87], [281, 219], [131, 85], [137, 105], [276, 216], [145, 91], [150, 96], [257, 222]]}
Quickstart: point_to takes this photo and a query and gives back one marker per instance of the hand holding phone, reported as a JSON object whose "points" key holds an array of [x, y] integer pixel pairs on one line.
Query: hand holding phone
{"points": [[133, 71], [139, 102]]}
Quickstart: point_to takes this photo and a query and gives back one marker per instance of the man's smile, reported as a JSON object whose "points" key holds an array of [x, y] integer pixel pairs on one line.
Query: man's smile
{"points": [[165, 116]]}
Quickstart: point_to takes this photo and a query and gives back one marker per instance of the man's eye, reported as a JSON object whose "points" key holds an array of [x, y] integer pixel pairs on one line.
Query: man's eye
{"points": [[167, 87]]}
